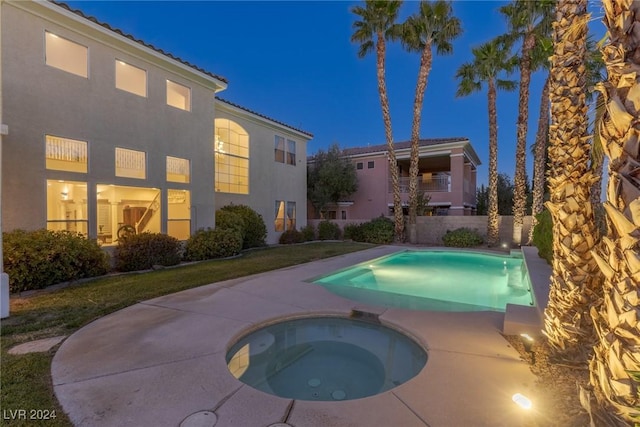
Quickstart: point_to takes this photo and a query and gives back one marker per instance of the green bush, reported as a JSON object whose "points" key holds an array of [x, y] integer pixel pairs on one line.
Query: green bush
{"points": [[209, 244], [462, 238], [379, 230], [37, 259], [543, 235], [228, 220], [291, 236], [143, 251], [354, 232], [308, 233], [328, 230], [254, 230]]}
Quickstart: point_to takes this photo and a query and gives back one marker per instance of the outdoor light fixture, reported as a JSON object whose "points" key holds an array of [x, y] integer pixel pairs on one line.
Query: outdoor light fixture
{"points": [[505, 246], [527, 341], [522, 401]]}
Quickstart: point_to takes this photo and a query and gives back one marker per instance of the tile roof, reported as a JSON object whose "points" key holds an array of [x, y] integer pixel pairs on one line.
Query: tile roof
{"points": [[310, 135], [401, 145], [130, 37]]}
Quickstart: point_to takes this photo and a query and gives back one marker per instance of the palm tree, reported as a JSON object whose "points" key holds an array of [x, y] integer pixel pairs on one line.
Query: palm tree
{"points": [[575, 281], [489, 61], [540, 55], [615, 367], [433, 25], [527, 21], [377, 25]]}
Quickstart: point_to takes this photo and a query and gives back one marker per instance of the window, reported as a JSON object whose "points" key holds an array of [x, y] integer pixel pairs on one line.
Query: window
{"points": [[231, 148], [359, 165], [291, 152], [370, 165], [179, 214], [122, 211], [65, 154], [285, 216], [66, 55], [279, 149], [178, 170], [131, 79], [285, 154], [131, 163], [178, 96], [67, 206]]}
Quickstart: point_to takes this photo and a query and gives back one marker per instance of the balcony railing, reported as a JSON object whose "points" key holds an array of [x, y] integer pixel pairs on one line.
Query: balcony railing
{"points": [[436, 184]]}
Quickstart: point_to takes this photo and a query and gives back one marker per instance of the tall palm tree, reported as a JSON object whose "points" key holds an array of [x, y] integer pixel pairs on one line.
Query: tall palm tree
{"points": [[615, 367], [575, 280], [527, 21], [377, 25], [432, 26], [540, 55], [490, 60]]}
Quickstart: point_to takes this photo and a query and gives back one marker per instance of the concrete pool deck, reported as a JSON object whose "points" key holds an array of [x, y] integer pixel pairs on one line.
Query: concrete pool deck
{"points": [[160, 361]]}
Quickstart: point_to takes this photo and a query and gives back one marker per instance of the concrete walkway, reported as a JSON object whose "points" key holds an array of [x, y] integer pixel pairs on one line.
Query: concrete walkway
{"points": [[160, 361]]}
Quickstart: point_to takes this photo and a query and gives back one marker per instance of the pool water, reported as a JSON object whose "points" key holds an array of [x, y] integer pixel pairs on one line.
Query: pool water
{"points": [[435, 280], [325, 359]]}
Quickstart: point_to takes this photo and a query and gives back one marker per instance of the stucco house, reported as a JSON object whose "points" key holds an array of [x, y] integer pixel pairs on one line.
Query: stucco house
{"points": [[102, 131], [447, 174]]}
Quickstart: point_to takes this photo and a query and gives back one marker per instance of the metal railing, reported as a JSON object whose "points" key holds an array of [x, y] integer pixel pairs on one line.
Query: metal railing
{"points": [[436, 184]]}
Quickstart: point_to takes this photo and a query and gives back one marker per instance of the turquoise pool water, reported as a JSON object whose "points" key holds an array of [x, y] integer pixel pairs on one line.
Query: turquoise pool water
{"points": [[435, 280], [325, 359]]}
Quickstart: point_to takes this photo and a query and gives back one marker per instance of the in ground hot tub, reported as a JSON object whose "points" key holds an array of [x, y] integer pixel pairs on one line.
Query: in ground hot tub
{"points": [[325, 358]]}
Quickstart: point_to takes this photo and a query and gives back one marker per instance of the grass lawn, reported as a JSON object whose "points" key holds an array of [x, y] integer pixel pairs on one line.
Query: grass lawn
{"points": [[26, 379]]}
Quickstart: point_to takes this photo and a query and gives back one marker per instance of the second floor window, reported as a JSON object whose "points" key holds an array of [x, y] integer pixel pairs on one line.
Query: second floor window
{"points": [[66, 154], [285, 150], [178, 170], [178, 96], [131, 163], [131, 79], [66, 55]]}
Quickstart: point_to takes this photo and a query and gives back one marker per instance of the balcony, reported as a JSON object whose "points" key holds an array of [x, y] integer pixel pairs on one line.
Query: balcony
{"points": [[434, 184]]}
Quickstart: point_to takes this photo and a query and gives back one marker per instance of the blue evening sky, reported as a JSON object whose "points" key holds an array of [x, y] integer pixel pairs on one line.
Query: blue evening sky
{"points": [[293, 61]]}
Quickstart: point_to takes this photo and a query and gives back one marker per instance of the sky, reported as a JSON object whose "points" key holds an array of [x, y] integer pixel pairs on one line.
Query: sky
{"points": [[293, 61]]}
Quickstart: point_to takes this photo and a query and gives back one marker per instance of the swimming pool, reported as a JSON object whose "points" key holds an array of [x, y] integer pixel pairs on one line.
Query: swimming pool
{"points": [[325, 359], [435, 280]]}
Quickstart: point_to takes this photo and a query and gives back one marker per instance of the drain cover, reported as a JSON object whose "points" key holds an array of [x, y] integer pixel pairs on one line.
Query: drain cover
{"points": [[338, 395], [200, 419], [314, 382]]}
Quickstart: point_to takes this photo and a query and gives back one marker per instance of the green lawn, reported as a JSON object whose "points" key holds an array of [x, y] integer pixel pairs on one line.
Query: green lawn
{"points": [[26, 379]]}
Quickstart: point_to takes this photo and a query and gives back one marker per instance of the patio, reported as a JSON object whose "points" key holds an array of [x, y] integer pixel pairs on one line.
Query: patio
{"points": [[163, 360]]}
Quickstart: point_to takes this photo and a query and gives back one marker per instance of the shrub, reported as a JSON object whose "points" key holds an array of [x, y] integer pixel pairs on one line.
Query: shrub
{"points": [[291, 236], [328, 230], [462, 238], [209, 244], [254, 230], [353, 232], [228, 220], [308, 233], [37, 259], [143, 251], [543, 235], [379, 230]]}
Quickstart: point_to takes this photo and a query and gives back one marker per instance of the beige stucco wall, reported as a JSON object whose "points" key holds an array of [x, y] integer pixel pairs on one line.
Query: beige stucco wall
{"points": [[39, 99], [268, 180]]}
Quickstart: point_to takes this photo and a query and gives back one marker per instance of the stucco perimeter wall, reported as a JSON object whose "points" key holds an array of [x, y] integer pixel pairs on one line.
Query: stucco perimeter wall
{"points": [[432, 228]]}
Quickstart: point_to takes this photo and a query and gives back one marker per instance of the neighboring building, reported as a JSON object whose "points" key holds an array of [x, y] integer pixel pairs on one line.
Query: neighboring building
{"points": [[261, 163], [447, 174], [106, 133]]}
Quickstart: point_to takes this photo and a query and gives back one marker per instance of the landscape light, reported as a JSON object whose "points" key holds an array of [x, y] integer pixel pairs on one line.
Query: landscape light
{"points": [[522, 401]]}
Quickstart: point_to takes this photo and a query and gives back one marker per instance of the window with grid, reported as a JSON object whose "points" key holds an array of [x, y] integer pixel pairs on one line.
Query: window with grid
{"points": [[231, 146]]}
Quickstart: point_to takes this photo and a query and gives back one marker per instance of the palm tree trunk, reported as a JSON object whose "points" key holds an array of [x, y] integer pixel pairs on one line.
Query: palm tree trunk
{"points": [[540, 158], [421, 86], [575, 281], [386, 117], [519, 180], [616, 357], [492, 211]]}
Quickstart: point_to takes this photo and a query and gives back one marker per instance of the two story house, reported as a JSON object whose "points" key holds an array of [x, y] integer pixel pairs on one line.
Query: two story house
{"points": [[447, 175], [103, 134]]}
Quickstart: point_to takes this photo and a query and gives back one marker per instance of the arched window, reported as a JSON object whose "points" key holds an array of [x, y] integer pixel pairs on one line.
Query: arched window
{"points": [[231, 146]]}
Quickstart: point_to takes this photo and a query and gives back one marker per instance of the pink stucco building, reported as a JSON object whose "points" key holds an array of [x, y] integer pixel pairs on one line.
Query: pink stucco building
{"points": [[447, 173]]}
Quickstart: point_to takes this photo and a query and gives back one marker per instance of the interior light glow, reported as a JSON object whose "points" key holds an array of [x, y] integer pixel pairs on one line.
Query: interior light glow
{"points": [[527, 337], [522, 401]]}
